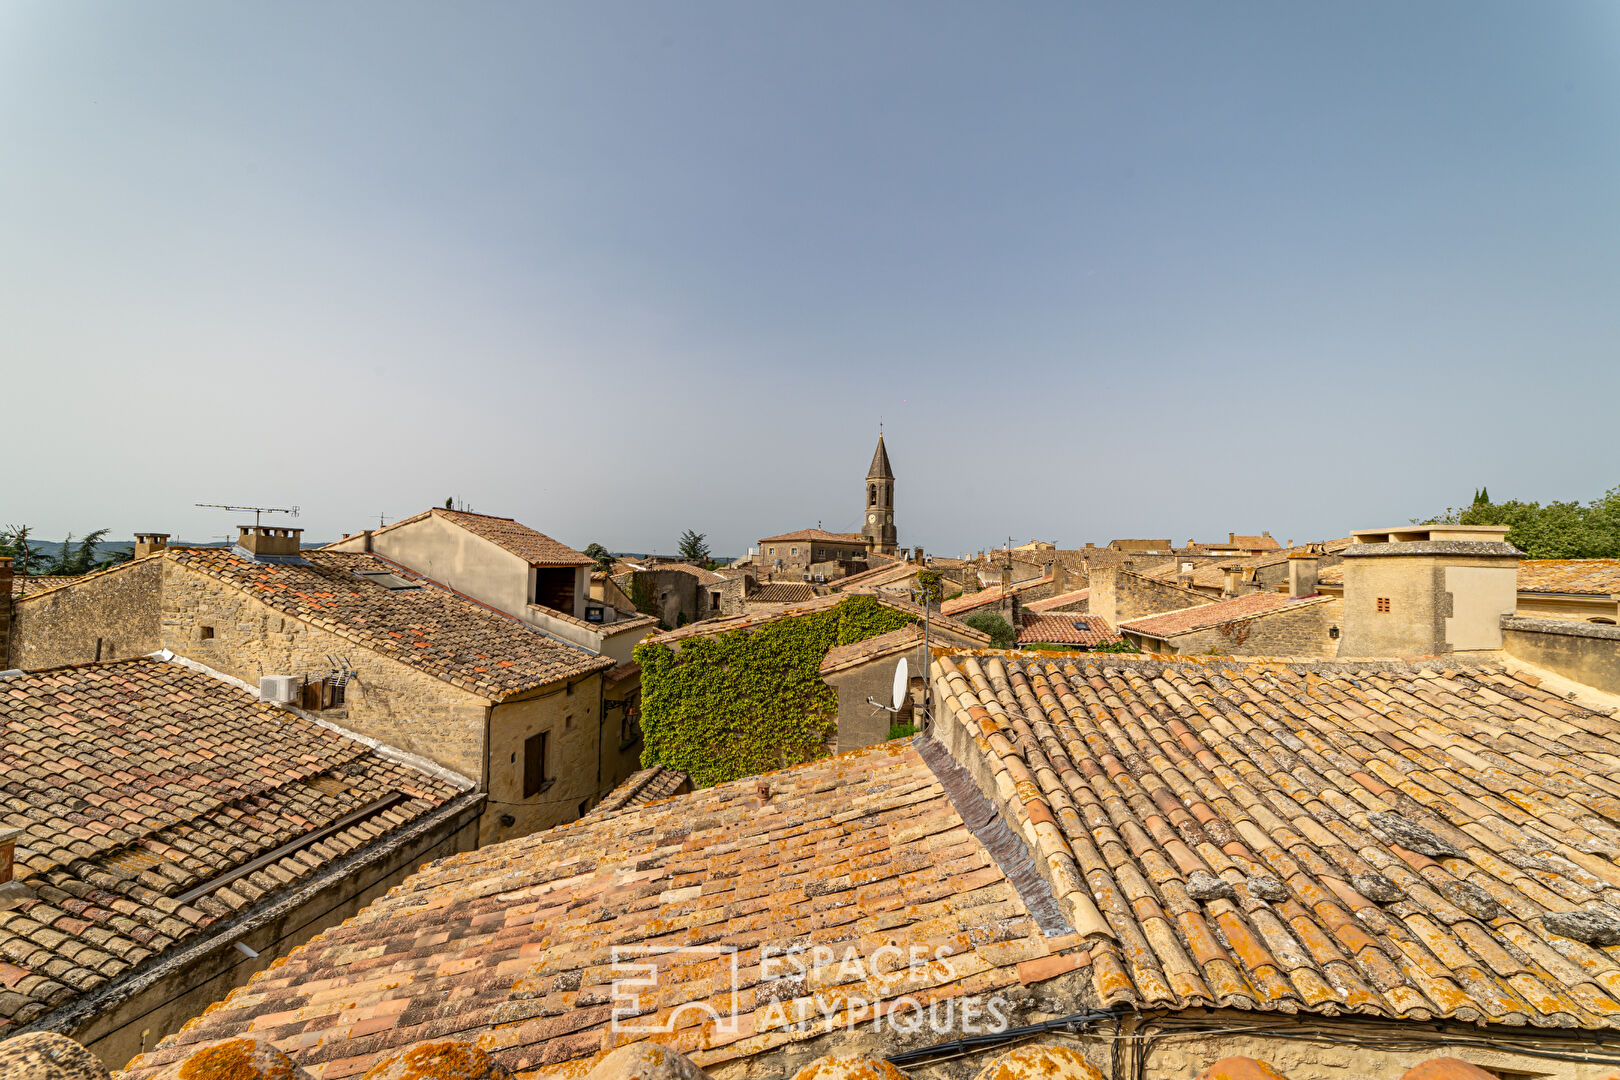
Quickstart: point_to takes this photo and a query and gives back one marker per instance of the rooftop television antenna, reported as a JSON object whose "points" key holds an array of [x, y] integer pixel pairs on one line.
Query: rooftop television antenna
{"points": [[257, 510]]}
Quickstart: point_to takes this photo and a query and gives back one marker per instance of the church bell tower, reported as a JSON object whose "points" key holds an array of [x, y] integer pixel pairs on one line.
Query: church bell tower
{"points": [[878, 518]]}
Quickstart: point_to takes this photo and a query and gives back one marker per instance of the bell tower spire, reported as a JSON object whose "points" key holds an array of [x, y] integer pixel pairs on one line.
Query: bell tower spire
{"points": [[878, 515]]}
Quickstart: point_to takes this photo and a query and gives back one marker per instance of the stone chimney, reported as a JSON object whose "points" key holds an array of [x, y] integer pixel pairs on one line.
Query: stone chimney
{"points": [[1006, 576], [1302, 572], [6, 580], [1234, 581], [1231, 539], [268, 543], [12, 892], [1423, 590], [147, 543]]}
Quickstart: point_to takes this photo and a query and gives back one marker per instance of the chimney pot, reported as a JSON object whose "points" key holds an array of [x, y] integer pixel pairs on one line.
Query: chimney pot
{"points": [[148, 542], [8, 849], [269, 543]]}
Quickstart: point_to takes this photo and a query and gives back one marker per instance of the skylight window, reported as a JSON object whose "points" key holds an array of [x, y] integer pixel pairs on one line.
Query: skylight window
{"points": [[391, 582]]}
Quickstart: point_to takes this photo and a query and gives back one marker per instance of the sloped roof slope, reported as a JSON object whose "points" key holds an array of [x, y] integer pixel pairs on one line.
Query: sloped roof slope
{"points": [[1188, 620], [429, 627], [512, 946], [1383, 839], [136, 781]]}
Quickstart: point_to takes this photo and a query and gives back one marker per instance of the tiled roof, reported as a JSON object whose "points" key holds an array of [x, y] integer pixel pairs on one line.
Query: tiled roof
{"points": [[1187, 620], [1061, 600], [815, 535], [1331, 575], [1070, 629], [1271, 558], [876, 576], [33, 584], [1600, 577], [1388, 839], [857, 653], [1211, 574], [430, 628], [782, 592], [138, 780], [1143, 546], [648, 785], [711, 627], [511, 946], [991, 595], [535, 547]]}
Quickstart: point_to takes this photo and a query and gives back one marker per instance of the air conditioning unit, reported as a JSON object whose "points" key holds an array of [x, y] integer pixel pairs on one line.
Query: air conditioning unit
{"points": [[278, 689]]}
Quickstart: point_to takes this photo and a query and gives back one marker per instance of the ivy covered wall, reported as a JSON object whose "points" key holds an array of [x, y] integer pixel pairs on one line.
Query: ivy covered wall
{"points": [[750, 701]]}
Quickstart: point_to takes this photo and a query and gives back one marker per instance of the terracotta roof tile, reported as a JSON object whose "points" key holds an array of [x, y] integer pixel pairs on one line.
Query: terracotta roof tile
{"points": [[427, 627], [1187, 620], [1582, 577], [526, 543], [137, 780], [993, 594], [1061, 600], [859, 652], [782, 592], [815, 535], [711, 627], [648, 785], [876, 577], [1377, 838], [512, 946], [1069, 629], [33, 584]]}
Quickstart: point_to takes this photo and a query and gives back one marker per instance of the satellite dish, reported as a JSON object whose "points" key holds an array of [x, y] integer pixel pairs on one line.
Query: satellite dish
{"points": [[902, 684]]}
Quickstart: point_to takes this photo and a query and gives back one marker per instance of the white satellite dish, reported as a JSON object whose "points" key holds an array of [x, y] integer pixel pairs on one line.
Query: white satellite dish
{"points": [[902, 684]]}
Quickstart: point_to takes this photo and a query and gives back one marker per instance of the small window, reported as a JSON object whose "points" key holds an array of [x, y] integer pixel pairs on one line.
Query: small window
{"points": [[391, 582], [569, 690], [714, 601], [534, 764], [205, 632], [795, 551], [1383, 605]]}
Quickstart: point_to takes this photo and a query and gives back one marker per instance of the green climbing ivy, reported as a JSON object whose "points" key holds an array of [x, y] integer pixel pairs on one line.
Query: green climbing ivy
{"points": [[642, 595], [750, 701]]}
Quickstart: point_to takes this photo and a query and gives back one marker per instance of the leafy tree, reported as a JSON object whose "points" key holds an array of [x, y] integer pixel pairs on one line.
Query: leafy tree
{"points": [[1002, 635], [15, 542], [450, 503], [81, 558], [1556, 530], [930, 589], [1120, 646], [601, 556], [692, 549]]}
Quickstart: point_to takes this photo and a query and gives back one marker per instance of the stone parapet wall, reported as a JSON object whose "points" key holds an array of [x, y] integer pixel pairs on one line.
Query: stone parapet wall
{"points": [[1584, 652], [110, 615]]}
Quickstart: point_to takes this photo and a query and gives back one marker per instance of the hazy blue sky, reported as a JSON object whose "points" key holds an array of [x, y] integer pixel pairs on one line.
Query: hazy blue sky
{"points": [[623, 269]]}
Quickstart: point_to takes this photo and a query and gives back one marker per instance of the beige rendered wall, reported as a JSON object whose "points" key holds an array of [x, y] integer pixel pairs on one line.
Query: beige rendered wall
{"points": [[1437, 603], [455, 557], [119, 608], [1582, 608], [1586, 653], [1120, 595], [385, 700], [572, 717], [133, 1026], [1300, 632]]}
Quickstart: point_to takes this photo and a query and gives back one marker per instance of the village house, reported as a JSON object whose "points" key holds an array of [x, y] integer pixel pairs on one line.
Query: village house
{"points": [[1237, 545], [1068, 630], [512, 568], [818, 554], [364, 641], [1402, 861], [164, 835]]}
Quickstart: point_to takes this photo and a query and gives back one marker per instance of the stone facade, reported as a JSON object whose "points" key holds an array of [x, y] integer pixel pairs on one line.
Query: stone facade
{"points": [[1120, 595], [159, 604], [218, 625], [1301, 631], [796, 555], [6, 579], [108, 615], [1427, 590]]}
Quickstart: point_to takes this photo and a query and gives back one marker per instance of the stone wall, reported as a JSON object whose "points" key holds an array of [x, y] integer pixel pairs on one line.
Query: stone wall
{"points": [[1301, 631], [571, 719], [1424, 604], [1587, 653], [114, 613], [219, 625], [1122, 595]]}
